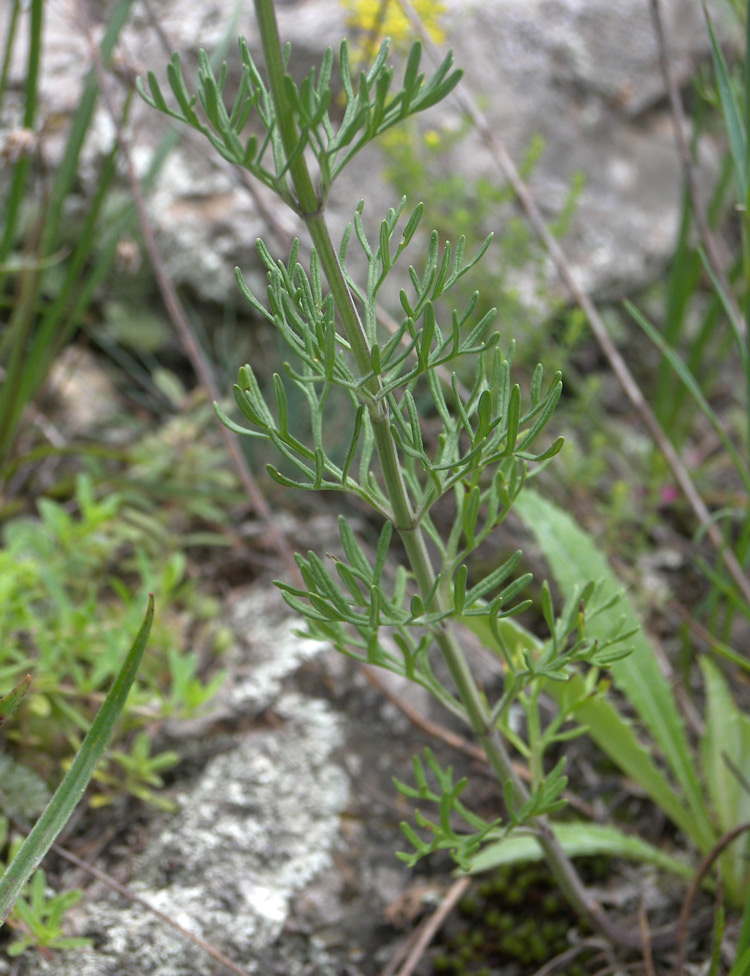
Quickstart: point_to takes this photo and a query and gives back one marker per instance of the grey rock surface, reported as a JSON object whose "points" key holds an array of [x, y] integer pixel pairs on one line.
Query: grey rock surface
{"points": [[582, 73], [585, 75]]}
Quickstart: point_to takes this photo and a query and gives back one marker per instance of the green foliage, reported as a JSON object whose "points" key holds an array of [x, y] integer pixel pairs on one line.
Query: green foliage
{"points": [[368, 112], [188, 694], [23, 792], [700, 329], [138, 773], [579, 840], [511, 918], [703, 343], [462, 846], [477, 461], [47, 275], [472, 461], [72, 580], [10, 702], [725, 755], [463, 207], [37, 919], [178, 477], [306, 322], [70, 584], [741, 966], [723, 761]]}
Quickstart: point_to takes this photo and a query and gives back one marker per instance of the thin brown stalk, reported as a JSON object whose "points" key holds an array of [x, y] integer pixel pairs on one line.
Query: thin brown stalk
{"points": [[200, 363], [400, 953], [136, 899], [431, 926], [563, 959], [648, 956], [710, 243], [617, 967], [687, 906], [582, 299]]}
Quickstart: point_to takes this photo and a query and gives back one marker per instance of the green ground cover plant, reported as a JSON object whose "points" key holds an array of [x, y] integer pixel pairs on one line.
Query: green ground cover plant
{"points": [[55, 260], [39, 259], [706, 792], [71, 586]]}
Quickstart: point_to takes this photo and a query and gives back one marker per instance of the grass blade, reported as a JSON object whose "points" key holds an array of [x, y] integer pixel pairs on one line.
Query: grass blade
{"points": [[726, 761], [692, 385], [22, 167], [59, 809], [578, 840], [10, 702], [732, 115]]}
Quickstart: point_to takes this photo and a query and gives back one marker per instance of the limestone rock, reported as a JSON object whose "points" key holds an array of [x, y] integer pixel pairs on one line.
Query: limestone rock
{"points": [[582, 73]]}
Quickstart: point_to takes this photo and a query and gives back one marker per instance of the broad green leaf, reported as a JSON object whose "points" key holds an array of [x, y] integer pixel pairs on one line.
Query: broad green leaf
{"points": [[59, 809], [743, 941], [615, 736], [725, 743], [742, 965], [573, 557], [578, 840], [725, 749]]}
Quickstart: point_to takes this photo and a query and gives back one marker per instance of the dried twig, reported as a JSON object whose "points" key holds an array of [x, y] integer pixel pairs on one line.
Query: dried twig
{"points": [[617, 363], [687, 906], [615, 969], [568, 956], [136, 899], [429, 928], [648, 957]]}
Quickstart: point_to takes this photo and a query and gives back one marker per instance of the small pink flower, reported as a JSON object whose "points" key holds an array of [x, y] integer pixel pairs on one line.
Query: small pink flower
{"points": [[669, 494]]}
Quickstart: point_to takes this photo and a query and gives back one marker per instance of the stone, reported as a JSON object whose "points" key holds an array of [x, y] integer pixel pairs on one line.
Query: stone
{"points": [[582, 73]]}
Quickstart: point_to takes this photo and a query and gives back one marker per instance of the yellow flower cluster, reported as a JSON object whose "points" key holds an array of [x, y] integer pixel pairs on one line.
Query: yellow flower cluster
{"points": [[377, 19]]}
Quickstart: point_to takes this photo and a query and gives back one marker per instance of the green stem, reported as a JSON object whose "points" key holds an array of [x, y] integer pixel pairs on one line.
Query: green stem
{"points": [[12, 25], [310, 208], [309, 203], [533, 725], [22, 168]]}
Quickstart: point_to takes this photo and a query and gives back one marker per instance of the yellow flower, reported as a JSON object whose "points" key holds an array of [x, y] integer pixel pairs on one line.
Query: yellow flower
{"points": [[385, 18]]}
